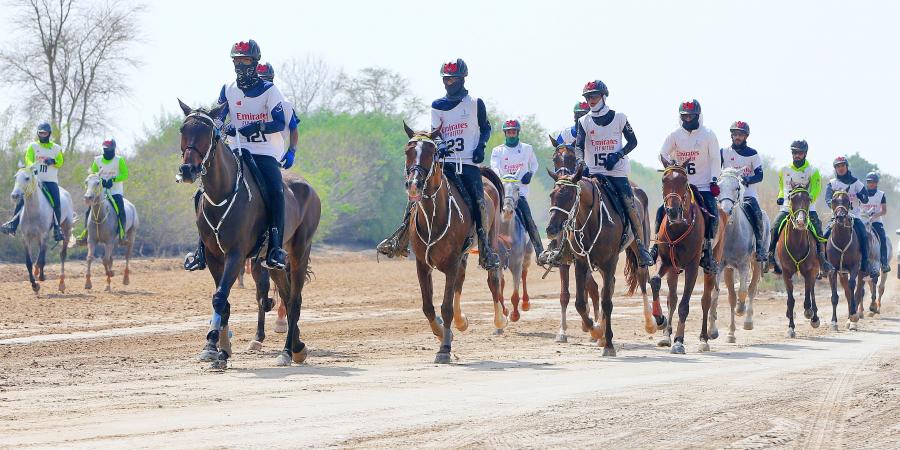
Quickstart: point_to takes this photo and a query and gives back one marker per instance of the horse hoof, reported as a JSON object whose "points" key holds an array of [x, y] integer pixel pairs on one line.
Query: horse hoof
{"points": [[596, 333], [442, 358], [853, 318], [584, 327], [219, 364], [108, 288], [664, 342], [703, 347], [730, 339], [661, 323], [463, 323], [739, 310], [126, 281], [791, 333], [807, 313], [300, 357], [514, 316], [561, 338], [714, 334], [748, 326], [88, 285], [498, 331], [281, 325], [41, 277], [36, 288], [526, 304], [814, 323], [852, 326], [677, 349], [834, 326], [283, 360], [208, 355], [608, 351], [254, 346]]}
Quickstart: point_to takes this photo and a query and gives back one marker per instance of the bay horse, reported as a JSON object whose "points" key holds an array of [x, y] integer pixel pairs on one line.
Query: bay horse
{"points": [[442, 231], [583, 220], [514, 236], [231, 220], [103, 230], [877, 286], [35, 222], [796, 254], [680, 246], [843, 252], [875, 265]]}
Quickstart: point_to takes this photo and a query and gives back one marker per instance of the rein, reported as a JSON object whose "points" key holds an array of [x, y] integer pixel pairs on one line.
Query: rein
{"points": [[842, 251], [570, 226], [787, 234], [687, 198]]}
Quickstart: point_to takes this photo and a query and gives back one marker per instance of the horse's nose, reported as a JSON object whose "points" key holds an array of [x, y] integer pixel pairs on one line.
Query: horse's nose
{"points": [[186, 173]]}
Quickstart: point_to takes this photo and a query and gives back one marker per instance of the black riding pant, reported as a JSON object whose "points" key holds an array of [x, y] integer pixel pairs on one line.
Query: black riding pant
{"points": [[53, 189], [470, 179], [878, 228], [776, 228], [711, 205], [120, 209], [751, 206], [271, 178]]}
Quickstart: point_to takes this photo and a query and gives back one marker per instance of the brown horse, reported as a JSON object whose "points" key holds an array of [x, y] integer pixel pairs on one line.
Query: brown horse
{"points": [[231, 220], [844, 254], [583, 221], [796, 253], [680, 245], [442, 231], [564, 161]]}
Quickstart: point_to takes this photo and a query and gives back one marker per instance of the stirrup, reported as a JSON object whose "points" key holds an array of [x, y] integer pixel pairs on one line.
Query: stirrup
{"points": [[275, 260], [7, 228], [195, 260], [487, 258]]}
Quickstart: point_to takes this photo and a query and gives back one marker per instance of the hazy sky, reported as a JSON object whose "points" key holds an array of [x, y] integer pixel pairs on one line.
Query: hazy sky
{"points": [[825, 71]]}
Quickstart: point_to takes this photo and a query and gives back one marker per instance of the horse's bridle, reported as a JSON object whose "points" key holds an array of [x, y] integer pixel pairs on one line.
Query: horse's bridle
{"points": [[417, 168], [844, 219], [563, 170], [686, 198], [734, 202], [214, 136]]}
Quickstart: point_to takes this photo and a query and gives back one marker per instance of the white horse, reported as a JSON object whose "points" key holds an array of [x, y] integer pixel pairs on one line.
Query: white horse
{"points": [[513, 236], [102, 226], [739, 250], [876, 283], [36, 220]]}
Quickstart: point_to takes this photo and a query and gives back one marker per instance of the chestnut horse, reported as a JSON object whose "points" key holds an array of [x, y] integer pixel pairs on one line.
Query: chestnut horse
{"points": [[680, 246], [844, 254], [796, 253], [442, 231]]}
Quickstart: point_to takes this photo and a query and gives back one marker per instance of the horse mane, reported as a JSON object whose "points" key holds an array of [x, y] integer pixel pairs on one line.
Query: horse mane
{"points": [[494, 178], [732, 171]]}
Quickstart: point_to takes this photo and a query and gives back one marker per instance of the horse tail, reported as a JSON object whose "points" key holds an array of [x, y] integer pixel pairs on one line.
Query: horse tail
{"points": [[489, 173], [631, 271], [309, 272]]}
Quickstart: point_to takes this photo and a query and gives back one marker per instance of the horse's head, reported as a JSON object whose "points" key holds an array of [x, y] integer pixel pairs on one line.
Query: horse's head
{"points": [[799, 201], [731, 189], [93, 189], [676, 193], [564, 158], [25, 183], [564, 200], [199, 136], [421, 160], [840, 206], [511, 188]]}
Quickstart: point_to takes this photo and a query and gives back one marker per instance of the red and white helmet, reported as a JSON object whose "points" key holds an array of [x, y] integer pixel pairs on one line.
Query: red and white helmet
{"points": [[512, 124], [840, 160]]}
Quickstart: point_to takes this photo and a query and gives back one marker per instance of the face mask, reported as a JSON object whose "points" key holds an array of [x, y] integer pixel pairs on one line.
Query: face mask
{"points": [[246, 75], [44, 139], [456, 91], [598, 106], [692, 124], [800, 163], [512, 141], [109, 154]]}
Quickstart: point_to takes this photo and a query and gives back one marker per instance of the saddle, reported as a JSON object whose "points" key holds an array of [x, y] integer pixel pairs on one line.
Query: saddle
{"points": [[707, 214], [47, 194], [618, 206]]}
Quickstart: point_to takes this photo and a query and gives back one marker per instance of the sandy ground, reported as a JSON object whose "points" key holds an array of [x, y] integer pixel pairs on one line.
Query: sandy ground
{"points": [[90, 369]]}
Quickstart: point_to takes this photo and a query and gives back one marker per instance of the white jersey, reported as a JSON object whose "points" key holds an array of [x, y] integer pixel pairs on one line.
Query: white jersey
{"points": [[746, 164], [853, 189], [567, 135], [244, 110], [515, 161], [109, 170], [873, 206], [46, 172], [697, 151], [600, 141], [459, 129]]}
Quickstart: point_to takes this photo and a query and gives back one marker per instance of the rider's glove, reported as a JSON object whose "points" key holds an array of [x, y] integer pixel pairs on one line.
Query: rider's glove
{"points": [[527, 178], [780, 201], [251, 128], [714, 189], [288, 160], [108, 184], [612, 159], [478, 154], [229, 130]]}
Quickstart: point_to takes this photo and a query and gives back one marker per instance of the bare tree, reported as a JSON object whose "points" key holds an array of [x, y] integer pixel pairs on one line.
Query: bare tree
{"points": [[71, 61], [309, 83], [378, 89]]}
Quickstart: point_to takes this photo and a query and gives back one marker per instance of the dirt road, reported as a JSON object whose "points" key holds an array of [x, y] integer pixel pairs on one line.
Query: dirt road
{"points": [[89, 369]]}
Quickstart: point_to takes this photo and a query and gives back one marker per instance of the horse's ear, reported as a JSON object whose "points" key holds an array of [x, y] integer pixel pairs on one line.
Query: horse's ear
{"points": [[435, 133], [409, 132], [553, 143], [187, 109], [552, 175], [579, 170], [21, 164], [217, 110]]}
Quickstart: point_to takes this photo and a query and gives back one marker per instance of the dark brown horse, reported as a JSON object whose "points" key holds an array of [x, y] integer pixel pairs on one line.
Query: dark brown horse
{"points": [[843, 251], [583, 220], [564, 161], [442, 231], [231, 220], [796, 253], [680, 245]]}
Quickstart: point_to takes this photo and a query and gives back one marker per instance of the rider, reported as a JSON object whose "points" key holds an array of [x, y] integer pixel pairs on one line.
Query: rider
{"points": [[798, 173], [463, 139], [876, 206], [517, 159], [695, 147], [845, 181], [748, 161], [255, 107], [567, 136], [113, 172], [291, 133], [599, 137], [49, 158]]}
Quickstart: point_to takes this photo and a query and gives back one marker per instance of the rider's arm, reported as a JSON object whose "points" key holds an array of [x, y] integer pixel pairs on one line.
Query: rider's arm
{"points": [[123, 171], [484, 125], [715, 157], [223, 100], [829, 191], [815, 185], [630, 138], [861, 192], [495, 161], [95, 168], [277, 123], [757, 176], [668, 147], [781, 185], [59, 158], [579, 140], [883, 206], [532, 162], [29, 156]]}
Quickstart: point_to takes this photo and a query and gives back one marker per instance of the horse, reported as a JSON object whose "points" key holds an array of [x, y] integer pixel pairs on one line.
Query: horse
{"points": [[583, 220], [739, 251], [231, 220], [518, 257], [796, 254], [680, 246], [876, 289], [103, 229], [843, 252], [35, 221], [875, 306]]}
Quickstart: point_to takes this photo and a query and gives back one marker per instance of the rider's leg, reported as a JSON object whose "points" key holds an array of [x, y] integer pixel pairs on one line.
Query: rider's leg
{"points": [[878, 228], [397, 244], [654, 250], [773, 241], [471, 179], [525, 213], [623, 188], [196, 260], [120, 213], [860, 228], [712, 225], [11, 226], [53, 189], [756, 218], [824, 266], [271, 174]]}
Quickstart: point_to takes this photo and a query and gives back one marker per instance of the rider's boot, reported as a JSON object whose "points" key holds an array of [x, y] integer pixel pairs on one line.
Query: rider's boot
{"points": [[707, 261], [645, 259], [759, 234], [397, 244], [11, 226], [530, 227], [57, 232], [487, 258], [196, 260], [276, 258]]}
